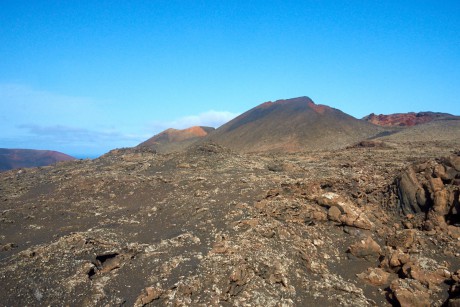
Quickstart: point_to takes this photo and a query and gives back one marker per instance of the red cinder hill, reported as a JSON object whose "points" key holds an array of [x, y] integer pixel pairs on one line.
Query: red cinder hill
{"points": [[175, 140], [292, 125], [17, 158]]}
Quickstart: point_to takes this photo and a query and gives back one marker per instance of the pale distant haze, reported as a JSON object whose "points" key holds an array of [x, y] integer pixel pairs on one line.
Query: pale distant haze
{"points": [[84, 77]]}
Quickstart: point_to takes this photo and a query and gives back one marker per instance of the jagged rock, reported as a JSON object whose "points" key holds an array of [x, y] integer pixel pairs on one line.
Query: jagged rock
{"points": [[398, 258], [238, 279], [148, 295], [427, 278], [430, 188], [368, 249], [350, 214], [404, 239], [411, 193], [410, 293]]}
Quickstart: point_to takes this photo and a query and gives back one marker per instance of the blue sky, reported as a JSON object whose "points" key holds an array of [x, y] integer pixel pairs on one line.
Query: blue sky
{"points": [[84, 77]]}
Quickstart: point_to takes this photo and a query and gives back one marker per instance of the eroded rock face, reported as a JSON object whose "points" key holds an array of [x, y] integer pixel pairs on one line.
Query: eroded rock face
{"points": [[430, 191]]}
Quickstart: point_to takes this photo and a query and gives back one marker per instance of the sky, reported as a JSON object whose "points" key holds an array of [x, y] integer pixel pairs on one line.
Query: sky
{"points": [[85, 77]]}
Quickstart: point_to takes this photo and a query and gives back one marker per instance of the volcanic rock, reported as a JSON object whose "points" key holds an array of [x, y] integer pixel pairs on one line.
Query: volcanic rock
{"points": [[409, 293], [368, 249]]}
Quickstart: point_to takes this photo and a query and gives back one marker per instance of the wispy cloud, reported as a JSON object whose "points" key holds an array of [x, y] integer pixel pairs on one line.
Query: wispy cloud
{"points": [[33, 118], [24, 103], [210, 118], [70, 139], [64, 134]]}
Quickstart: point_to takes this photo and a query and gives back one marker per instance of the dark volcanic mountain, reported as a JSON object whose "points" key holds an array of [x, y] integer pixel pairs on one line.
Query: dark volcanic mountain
{"points": [[406, 119], [292, 125], [17, 158], [175, 140]]}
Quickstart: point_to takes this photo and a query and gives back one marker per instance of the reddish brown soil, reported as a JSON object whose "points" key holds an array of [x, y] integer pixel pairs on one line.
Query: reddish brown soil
{"points": [[174, 139]]}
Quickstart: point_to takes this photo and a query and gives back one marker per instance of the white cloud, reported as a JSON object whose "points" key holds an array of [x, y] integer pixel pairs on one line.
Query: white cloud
{"points": [[73, 135], [209, 118], [33, 118], [71, 140], [27, 104]]}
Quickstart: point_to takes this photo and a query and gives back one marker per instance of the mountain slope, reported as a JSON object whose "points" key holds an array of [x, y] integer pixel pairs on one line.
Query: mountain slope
{"points": [[17, 158], [438, 130], [292, 125], [174, 140]]}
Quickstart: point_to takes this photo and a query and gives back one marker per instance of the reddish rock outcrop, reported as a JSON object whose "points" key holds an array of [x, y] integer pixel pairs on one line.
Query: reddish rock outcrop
{"points": [[405, 119], [175, 140]]}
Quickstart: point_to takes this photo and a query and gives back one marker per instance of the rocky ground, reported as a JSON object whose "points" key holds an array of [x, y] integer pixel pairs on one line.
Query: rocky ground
{"points": [[374, 224]]}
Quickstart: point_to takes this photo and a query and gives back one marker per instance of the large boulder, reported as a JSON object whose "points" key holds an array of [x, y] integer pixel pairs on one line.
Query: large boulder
{"points": [[431, 190]]}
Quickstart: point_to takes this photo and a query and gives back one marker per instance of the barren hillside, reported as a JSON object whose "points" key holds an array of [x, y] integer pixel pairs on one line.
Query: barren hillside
{"points": [[17, 158], [292, 125]]}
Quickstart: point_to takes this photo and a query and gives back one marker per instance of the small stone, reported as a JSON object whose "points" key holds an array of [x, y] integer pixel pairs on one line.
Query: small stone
{"points": [[183, 165], [318, 242], [8, 246], [408, 225], [375, 276], [219, 248]]}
